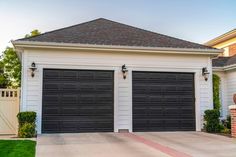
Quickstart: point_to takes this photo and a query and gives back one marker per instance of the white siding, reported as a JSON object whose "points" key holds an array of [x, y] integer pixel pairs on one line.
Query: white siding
{"points": [[228, 88], [231, 87], [32, 87]]}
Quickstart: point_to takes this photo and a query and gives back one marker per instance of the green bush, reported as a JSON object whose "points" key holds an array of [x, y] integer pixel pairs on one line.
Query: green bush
{"points": [[228, 122], [26, 117], [27, 130], [212, 122], [26, 124], [226, 131]]}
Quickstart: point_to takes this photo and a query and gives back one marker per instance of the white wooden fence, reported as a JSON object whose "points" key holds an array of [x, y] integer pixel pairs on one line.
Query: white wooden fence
{"points": [[9, 108]]}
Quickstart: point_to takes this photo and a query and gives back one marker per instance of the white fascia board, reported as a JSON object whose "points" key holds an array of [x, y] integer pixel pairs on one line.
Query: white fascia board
{"points": [[230, 67], [217, 69], [52, 45], [225, 68]]}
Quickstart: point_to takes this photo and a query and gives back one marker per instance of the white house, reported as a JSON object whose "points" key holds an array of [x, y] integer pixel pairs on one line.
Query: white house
{"points": [[225, 67], [104, 76]]}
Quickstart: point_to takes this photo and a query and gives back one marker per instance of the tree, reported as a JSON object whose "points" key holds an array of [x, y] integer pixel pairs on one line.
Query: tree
{"points": [[3, 78], [10, 67], [33, 33]]}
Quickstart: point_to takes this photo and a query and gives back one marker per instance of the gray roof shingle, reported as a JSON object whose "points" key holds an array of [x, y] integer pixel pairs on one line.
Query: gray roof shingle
{"points": [[224, 61], [105, 32]]}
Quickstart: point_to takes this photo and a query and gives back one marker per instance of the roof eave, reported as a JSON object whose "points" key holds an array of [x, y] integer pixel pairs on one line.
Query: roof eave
{"points": [[225, 68], [221, 38], [217, 69], [53, 45]]}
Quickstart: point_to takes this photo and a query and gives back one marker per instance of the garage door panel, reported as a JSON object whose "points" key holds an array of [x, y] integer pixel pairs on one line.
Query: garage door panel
{"points": [[71, 86], [140, 99], [52, 86], [140, 124], [103, 76], [188, 123], [104, 87], [77, 117], [69, 75], [51, 110], [52, 74], [156, 124], [51, 126], [86, 75], [140, 112], [95, 111], [51, 99], [77, 101], [71, 99], [165, 101], [155, 100], [170, 99]]}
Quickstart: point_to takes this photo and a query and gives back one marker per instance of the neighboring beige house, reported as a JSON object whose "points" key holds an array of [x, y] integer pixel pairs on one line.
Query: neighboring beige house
{"points": [[225, 67], [104, 76]]}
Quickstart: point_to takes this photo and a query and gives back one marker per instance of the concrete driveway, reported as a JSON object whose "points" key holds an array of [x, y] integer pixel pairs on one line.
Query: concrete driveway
{"points": [[196, 144], [92, 145], [151, 144]]}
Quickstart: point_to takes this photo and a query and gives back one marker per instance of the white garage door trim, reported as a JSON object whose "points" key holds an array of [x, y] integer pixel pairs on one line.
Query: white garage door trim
{"points": [[196, 86], [40, 70]]}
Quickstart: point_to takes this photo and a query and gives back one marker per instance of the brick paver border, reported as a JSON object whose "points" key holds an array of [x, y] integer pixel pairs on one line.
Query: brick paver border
{"points": [[167, 150]]}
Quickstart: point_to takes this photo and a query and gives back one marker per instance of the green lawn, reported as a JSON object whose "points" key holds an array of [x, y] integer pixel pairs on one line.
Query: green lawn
{"points": [[17, 148]]}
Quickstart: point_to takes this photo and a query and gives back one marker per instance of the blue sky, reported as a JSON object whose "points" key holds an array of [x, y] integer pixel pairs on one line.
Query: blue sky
{"points": [[194, 20]]}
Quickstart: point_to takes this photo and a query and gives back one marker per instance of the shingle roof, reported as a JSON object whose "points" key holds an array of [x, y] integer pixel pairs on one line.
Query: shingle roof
{"points": [[224, 61], [105, 32]]}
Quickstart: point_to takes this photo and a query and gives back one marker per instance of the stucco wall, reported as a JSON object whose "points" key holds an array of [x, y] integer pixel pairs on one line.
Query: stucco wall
{"points": [[48, 58]]}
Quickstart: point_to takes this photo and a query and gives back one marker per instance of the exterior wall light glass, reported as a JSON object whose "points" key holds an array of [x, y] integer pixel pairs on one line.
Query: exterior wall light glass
{"points": [[33, 68], [124, 71], [205, 73]]}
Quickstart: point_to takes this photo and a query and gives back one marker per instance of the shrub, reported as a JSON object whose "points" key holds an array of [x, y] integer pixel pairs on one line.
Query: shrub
{"points": [[26, 117], [228, 122], [212, 122], [27, 130], [26, 124], [225, 131]]}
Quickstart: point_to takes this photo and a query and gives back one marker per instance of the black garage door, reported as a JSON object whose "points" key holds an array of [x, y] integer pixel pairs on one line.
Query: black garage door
{"points": [[77, 101], [163, 101]]}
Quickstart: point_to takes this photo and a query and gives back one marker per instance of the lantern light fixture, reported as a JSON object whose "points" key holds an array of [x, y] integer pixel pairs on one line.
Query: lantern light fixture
{"points": [[124, 71], [33, 68], [205, 73]]}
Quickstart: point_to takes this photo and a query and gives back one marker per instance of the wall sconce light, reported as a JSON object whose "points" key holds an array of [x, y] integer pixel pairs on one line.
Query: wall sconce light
{"points": [[32, 68], [205, 73], [124, 71]]}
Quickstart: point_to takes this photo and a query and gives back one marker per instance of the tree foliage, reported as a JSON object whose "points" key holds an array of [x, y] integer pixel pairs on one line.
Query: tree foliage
{"points": [[3, 78], [216, 92], [33, 33], [10, 67]]}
